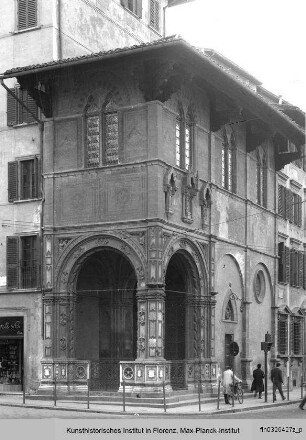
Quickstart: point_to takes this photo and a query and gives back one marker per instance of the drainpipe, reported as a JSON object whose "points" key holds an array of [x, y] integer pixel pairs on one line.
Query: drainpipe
{"points": [[59, 29], [41, 139]]}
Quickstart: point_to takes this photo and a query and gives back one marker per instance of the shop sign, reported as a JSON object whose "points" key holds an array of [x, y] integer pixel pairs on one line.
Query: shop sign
{"points": [[11, 326]]}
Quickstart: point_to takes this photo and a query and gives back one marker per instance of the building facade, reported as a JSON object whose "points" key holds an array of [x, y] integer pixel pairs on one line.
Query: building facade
{"points": [[37, 31], [160, 219]]}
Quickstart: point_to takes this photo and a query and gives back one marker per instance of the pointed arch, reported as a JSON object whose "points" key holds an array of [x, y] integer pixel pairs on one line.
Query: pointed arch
{"points": [[102, 132]]}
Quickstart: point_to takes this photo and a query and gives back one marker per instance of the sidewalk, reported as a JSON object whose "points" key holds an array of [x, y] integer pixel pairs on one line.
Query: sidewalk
{"points": [[208, 405]]}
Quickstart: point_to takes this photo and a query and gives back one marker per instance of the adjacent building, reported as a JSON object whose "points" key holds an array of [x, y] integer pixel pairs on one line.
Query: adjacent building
{"points": [[31, 32]]}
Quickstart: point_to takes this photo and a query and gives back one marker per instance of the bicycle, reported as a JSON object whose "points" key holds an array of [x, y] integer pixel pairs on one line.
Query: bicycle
{"points": [[238, 392]]}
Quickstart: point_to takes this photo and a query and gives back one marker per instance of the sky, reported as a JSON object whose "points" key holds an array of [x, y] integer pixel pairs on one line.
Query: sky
{"points": [[267, 38]]}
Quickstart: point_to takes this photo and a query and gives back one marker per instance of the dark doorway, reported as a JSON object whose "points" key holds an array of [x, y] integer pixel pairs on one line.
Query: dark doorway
{"points": [[175, 319], [106, 316]]}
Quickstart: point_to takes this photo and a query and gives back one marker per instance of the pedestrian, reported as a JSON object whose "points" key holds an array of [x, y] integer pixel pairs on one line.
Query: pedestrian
{"points": [[301, 405], [227, 382], [258, 384], [277, 380]]}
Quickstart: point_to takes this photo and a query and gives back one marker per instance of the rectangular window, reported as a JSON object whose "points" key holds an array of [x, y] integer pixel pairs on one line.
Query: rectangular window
{"points": [[16, 113], [282, 334], [23, 179], [155, 14], [22, 262], [27, 14]]}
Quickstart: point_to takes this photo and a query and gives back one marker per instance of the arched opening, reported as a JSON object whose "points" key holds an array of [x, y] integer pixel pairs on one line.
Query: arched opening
{"points": [[106, 316], [182, 330]]}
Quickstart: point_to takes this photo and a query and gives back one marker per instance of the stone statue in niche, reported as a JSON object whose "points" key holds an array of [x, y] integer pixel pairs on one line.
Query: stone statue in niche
{"points": [[190, 188], [170, 189], [205, 203]]}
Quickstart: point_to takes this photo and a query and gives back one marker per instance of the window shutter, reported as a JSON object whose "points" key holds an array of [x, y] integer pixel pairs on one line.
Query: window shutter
{"points": [[36, 261], [280, 200], [12, 181], [36, 183], [281, 261], [32, 13], [22, 14], [11, 109], [291, 206], [291, 267], [31, 104], [139, 8], [12, 262], [287, 263], [301, 264], [304, 271], [300, 210]]}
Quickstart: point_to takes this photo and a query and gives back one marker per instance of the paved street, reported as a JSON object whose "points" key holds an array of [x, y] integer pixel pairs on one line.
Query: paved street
{"points": [[286, 412], [8, 412]]}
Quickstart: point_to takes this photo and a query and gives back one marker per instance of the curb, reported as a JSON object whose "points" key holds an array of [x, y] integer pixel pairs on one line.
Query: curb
{"points": [[120, 413]]}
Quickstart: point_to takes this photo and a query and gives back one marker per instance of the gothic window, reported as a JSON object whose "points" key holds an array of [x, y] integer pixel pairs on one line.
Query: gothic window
{"points": [[228, 159], [101, 134], [261, 178], [184, 141], [110, 120]]}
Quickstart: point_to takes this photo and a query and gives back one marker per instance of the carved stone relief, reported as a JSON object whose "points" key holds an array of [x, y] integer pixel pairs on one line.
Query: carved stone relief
{"points": [[189, 190]]}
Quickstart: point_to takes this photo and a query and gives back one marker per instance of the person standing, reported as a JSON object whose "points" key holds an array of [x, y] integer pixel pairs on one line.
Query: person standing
{"points": [[277, 380], [227, 380], [258, 384]]}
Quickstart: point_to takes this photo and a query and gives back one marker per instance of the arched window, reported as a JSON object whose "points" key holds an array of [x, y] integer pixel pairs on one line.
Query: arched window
{"points": [[261, 177], [110, 122], [228, 160], [184, 140], [101, 133]]}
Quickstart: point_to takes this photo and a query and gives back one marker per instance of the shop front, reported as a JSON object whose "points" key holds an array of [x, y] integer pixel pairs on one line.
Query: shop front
{"points": [[11, 353]]}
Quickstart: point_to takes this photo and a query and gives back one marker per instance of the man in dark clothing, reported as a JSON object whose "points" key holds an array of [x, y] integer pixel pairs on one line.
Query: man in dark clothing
{"points": [[277, 379], [258, 385]]}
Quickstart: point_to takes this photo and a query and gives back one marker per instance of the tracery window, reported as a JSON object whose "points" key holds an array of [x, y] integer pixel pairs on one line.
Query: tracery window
{"points": [[101, 133], [184, 140], [228, 159], [261, 178]]}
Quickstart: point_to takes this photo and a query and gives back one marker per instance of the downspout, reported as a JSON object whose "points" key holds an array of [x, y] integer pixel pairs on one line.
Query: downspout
{"points": [[59, 30], [41, 139]]}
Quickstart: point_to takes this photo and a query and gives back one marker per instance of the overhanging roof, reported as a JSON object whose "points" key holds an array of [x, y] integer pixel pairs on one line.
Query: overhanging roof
{"points": [[207, 67]]}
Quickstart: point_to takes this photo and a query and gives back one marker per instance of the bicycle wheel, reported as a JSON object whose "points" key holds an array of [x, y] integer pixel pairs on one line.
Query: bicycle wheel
{"points": [[240, 395]]}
